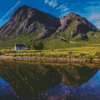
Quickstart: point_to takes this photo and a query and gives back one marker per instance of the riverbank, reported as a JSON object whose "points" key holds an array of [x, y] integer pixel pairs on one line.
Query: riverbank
{"points": [[47, 59]]}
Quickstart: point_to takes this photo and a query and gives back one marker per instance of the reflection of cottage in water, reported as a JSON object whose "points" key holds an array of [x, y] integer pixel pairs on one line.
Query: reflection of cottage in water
{"points": [[19, 47]]}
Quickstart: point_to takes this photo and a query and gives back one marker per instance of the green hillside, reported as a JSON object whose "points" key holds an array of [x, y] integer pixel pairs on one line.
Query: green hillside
{"points": [[53, 42], [49, 43]]}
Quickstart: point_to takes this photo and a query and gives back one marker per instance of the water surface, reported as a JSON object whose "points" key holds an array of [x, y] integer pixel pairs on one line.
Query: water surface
{"points": [[28, 81]]}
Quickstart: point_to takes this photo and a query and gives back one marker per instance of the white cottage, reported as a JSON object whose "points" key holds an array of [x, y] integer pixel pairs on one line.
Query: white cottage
{"points": [[19, 47]]}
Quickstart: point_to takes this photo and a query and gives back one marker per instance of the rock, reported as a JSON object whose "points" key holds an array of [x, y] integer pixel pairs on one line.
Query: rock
{"points": [[72, 42], [91, 34], [62, 38]]}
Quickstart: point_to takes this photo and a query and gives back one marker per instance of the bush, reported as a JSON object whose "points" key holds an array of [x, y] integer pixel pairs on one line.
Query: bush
{"points": [[28, 46], [38, 45]]}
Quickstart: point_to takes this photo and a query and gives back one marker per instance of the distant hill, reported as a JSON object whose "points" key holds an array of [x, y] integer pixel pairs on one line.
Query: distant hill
{"points": [[31, 26]]}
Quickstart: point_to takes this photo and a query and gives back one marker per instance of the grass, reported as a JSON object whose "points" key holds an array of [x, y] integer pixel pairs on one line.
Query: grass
{"points": [[90, 65], [80, 52]]}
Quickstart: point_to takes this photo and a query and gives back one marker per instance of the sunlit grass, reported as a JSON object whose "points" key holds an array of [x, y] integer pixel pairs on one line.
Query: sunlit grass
{"points": [[80, 52]]}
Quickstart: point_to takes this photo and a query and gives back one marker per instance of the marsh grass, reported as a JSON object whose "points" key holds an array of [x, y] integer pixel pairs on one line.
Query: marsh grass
{"points": [[80, 52]]}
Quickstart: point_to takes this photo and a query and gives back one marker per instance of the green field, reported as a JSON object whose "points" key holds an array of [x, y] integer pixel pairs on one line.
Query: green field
{"points": [[76, 52]]}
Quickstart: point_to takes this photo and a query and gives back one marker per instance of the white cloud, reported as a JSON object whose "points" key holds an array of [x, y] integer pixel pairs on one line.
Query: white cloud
{"points": [[92, 9], [62, 6], [63, 9], [51, 3], [54, 5], [46, 1], [97, 24], [94, 16]]}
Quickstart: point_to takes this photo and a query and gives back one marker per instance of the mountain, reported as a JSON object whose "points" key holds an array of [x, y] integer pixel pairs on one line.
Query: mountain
{"points": [[28, 24], [25, 18], [80, 25]]}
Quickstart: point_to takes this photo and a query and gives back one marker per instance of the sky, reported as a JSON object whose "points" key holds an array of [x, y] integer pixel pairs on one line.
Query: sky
{"points": [[89, 9]]}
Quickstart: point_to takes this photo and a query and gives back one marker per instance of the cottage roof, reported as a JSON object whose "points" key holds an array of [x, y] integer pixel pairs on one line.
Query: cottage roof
{"points": [[20, 45]]}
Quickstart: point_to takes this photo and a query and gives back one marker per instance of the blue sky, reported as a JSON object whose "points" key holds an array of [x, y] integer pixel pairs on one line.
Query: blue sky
{"points": [[89, 9]]}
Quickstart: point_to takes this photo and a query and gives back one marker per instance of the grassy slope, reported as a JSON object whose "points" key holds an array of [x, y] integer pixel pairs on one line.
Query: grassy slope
{"points": [[12, 39], [76, 52], [52, 42]]}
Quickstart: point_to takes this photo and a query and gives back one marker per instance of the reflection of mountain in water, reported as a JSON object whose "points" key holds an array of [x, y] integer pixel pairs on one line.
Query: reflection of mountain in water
{"points": [[91, 88], [95, 80], [31, 80], [93, 83], [87, 91]]}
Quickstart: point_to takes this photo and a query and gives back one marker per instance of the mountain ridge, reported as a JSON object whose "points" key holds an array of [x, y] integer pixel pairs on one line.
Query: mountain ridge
{"points": [[29, 21]]}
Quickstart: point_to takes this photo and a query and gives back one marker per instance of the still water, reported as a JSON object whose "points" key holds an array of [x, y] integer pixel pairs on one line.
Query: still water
{"points": [[26, 81]]}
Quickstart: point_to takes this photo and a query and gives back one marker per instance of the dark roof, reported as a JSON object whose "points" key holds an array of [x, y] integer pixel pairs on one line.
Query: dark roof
{"points": [[19, 44]]}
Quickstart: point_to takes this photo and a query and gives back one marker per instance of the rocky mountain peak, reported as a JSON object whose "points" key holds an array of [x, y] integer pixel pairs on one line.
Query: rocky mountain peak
{"points": [[27, 20], [80, 25]]}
